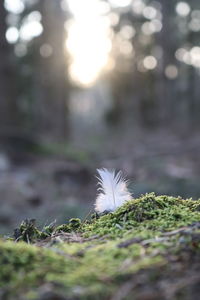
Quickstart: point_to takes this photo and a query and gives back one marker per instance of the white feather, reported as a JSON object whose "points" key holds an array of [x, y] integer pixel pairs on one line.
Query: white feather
{"points": [[113, 191]]}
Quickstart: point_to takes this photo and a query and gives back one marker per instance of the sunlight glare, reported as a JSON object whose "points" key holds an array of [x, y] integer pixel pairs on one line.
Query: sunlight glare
{"points": [[88, 41], [120, 3]]}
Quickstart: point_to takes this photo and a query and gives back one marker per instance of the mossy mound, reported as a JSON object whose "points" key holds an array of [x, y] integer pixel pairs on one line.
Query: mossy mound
{"points": [[148, 249]]}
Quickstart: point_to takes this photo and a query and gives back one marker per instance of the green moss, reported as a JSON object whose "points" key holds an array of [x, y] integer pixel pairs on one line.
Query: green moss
{"points": [[120, 244], [27, 231], [24, 267], [73, 225], [148, 212]]}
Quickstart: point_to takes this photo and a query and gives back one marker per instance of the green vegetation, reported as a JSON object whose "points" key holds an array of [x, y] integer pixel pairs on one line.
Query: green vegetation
{"points": [[63, 150], [149, 237]]}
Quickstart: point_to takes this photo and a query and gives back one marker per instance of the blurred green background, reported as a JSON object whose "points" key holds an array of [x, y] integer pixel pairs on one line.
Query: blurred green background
{"points": [[86, 84]]}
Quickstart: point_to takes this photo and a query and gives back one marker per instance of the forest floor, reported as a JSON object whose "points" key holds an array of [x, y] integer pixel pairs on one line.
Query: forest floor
{"points": [[148, 249], [58, 182]]}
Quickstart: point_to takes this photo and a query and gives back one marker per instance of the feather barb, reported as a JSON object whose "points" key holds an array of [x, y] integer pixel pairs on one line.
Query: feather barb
{"points": [[113, 190]]}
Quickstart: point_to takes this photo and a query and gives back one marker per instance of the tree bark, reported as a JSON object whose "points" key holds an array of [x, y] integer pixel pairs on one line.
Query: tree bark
{"points": [[9, 117], [52, 83]]}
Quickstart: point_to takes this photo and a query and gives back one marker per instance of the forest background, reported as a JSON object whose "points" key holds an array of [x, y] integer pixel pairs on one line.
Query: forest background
{"points": [[87, 84]]}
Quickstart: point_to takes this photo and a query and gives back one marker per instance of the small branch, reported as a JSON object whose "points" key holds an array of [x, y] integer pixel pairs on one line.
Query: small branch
{"points": [[129, 242], [164, 237]]}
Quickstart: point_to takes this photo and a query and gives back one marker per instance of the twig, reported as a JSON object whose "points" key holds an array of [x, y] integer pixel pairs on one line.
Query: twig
{"points": [[164, 237], [129, 242]]}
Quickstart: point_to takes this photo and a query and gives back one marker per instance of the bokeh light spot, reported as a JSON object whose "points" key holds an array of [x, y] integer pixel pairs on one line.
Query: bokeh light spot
{"points": [[127, 32], [31, 29], [46, 50], [171, 72], [126, 48], [12, 35], [149, 12], [150, 62], [14, 6], [180, 53], [138, 7], [194, 24], [183, 9], [20, 50]]}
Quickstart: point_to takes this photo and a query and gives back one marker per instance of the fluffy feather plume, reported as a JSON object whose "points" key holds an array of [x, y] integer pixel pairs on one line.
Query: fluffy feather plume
{"points": [[113, 191]]}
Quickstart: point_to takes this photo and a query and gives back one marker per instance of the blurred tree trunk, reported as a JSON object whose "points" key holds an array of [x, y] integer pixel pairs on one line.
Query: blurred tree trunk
{"points": [[167, 39], [192, 97], [8, 94], [51, 78]]}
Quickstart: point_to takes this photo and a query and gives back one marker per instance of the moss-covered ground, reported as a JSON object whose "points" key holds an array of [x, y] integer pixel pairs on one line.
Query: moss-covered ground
{"points": [[148, 249]]}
